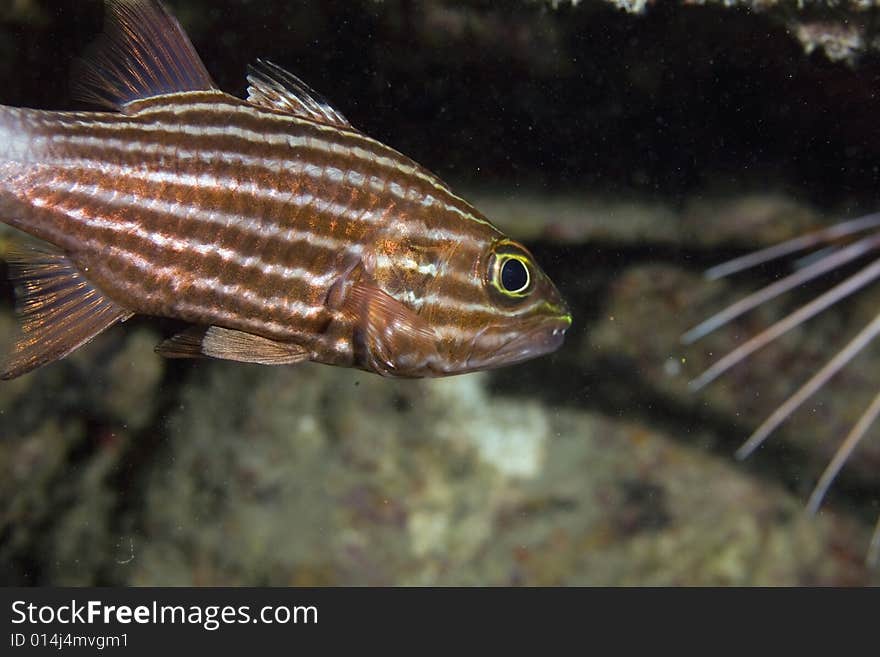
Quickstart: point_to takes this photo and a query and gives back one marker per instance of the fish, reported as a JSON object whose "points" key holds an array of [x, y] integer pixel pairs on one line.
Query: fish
{"points": [[275, 230], [841, 244]]}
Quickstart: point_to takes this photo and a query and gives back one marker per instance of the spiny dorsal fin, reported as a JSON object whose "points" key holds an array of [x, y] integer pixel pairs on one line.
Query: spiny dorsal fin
{"points": [[59, 310], [274, 88], [228, 344], [142, 53]]}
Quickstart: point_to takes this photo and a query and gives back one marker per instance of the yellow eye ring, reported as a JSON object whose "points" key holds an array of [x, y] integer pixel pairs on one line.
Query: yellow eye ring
{"points": [[512, 276]]}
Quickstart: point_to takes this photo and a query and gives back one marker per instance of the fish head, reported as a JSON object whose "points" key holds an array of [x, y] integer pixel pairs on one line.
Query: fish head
{"points": [[519, 313]]}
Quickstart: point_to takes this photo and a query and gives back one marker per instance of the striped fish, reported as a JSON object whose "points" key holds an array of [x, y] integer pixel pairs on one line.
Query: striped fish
{"points": [[271, 226]]}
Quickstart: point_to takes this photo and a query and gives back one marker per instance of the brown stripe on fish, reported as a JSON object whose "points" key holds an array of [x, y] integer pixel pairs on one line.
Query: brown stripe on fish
{"points": [[200, 183], [226, 170], [203, 199], [453, 319], [401, 173], [273, 130], [216, 109], [160, 226], [204, 250], [353, 213]]}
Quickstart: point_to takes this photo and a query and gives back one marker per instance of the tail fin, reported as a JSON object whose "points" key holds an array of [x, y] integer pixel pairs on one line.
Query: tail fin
{"points": [[59, 310]]}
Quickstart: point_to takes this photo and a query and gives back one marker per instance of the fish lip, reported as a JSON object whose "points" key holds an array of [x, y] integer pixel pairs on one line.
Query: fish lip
{"points": [[542, 339]]}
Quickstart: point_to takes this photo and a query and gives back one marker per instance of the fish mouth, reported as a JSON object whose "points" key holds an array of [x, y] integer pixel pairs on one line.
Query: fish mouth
{"points": [[542, 339]]}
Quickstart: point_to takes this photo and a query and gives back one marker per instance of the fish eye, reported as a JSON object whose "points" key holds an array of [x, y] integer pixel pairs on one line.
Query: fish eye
{"points": [[511, 271], [514, 276]]}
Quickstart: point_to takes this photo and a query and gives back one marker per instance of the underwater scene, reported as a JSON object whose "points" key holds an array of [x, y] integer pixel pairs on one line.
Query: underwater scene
{"points": [[415, 292]]}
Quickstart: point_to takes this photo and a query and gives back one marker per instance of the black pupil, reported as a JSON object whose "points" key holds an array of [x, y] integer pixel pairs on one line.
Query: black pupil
{"points": [[514, 276]]}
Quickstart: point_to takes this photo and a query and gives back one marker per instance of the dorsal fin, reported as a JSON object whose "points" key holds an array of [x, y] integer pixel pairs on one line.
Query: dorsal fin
{"points": [[58, 308], [143, 52], [274, 88]]}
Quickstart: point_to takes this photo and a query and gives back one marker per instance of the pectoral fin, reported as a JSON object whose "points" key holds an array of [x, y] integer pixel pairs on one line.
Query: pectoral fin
{"points": [[229, 344], [396, 341], [59, 310]]}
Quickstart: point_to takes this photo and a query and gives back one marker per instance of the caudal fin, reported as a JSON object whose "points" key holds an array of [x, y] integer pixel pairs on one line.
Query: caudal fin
{"points": [[59, 310]]}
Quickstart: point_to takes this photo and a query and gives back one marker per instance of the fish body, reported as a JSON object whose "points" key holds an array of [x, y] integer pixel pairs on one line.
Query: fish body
{"points": [[271, 225]]}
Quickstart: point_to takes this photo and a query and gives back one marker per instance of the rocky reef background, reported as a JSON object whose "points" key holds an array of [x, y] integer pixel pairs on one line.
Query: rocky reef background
{"points": [[633, 144]]}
